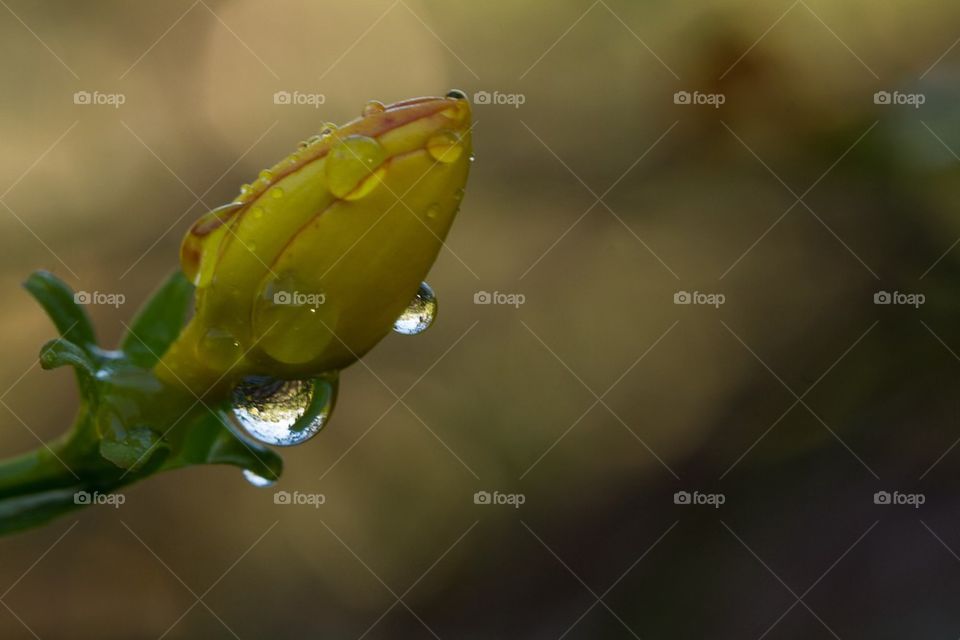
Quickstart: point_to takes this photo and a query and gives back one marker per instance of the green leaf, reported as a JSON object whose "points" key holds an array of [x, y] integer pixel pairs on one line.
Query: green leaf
{"points": [[159, 321], [61, 352], [58, 300], [133, 450]]}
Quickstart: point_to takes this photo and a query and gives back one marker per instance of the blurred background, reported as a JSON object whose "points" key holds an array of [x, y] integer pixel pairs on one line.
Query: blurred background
{"points": [[792, 161]]}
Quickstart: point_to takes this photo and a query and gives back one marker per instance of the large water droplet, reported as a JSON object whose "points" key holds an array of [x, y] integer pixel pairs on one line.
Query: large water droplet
{"points": [[351, 162], [283, 412], [257, 480], [420, 313]]}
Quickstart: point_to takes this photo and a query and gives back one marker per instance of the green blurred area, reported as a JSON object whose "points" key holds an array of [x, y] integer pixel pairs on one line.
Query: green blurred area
{"points": [[597, 199]]}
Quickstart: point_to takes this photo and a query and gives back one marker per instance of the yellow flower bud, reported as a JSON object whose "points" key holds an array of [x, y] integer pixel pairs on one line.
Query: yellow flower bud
{"points": [[314, 261]]}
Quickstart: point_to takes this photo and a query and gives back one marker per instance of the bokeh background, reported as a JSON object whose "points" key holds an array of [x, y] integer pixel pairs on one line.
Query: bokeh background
{"points": [[597, 199]]}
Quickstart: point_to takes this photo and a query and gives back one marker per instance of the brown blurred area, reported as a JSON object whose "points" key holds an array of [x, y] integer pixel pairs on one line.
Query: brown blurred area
{"points": [[597, 199]]}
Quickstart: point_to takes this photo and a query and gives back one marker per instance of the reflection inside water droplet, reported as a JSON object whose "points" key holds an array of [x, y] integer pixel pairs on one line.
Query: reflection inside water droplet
{"points": [[256, 479], [420, 313], [283, 412]]}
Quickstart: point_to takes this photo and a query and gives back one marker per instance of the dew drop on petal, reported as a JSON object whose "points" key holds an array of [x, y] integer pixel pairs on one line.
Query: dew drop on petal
{"points": [[270, 409], [445, 146], [257, 480], [350, 162], [419, 314], [373, 107]]}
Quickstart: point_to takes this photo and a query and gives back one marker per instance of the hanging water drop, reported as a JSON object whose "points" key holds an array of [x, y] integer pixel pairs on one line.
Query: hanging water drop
{"points": [[283, 412], [420, 313], [257, 480]]}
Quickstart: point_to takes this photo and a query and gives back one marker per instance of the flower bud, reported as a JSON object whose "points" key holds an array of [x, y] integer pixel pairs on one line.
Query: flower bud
{"points": [[313, 262]]}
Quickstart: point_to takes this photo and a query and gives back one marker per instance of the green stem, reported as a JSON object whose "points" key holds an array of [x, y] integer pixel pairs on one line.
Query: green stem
{"points": [[36, 487]]}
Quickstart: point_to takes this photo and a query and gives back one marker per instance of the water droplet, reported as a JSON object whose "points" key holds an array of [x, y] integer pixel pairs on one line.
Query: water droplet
{"points": [[245, 189], [351, 162], [276, 193], [373, 107], [266, 175], [433, 210], [445, 146], [419, 315], [257, 480], [257, 213], [283, 412], [328, 128]]}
